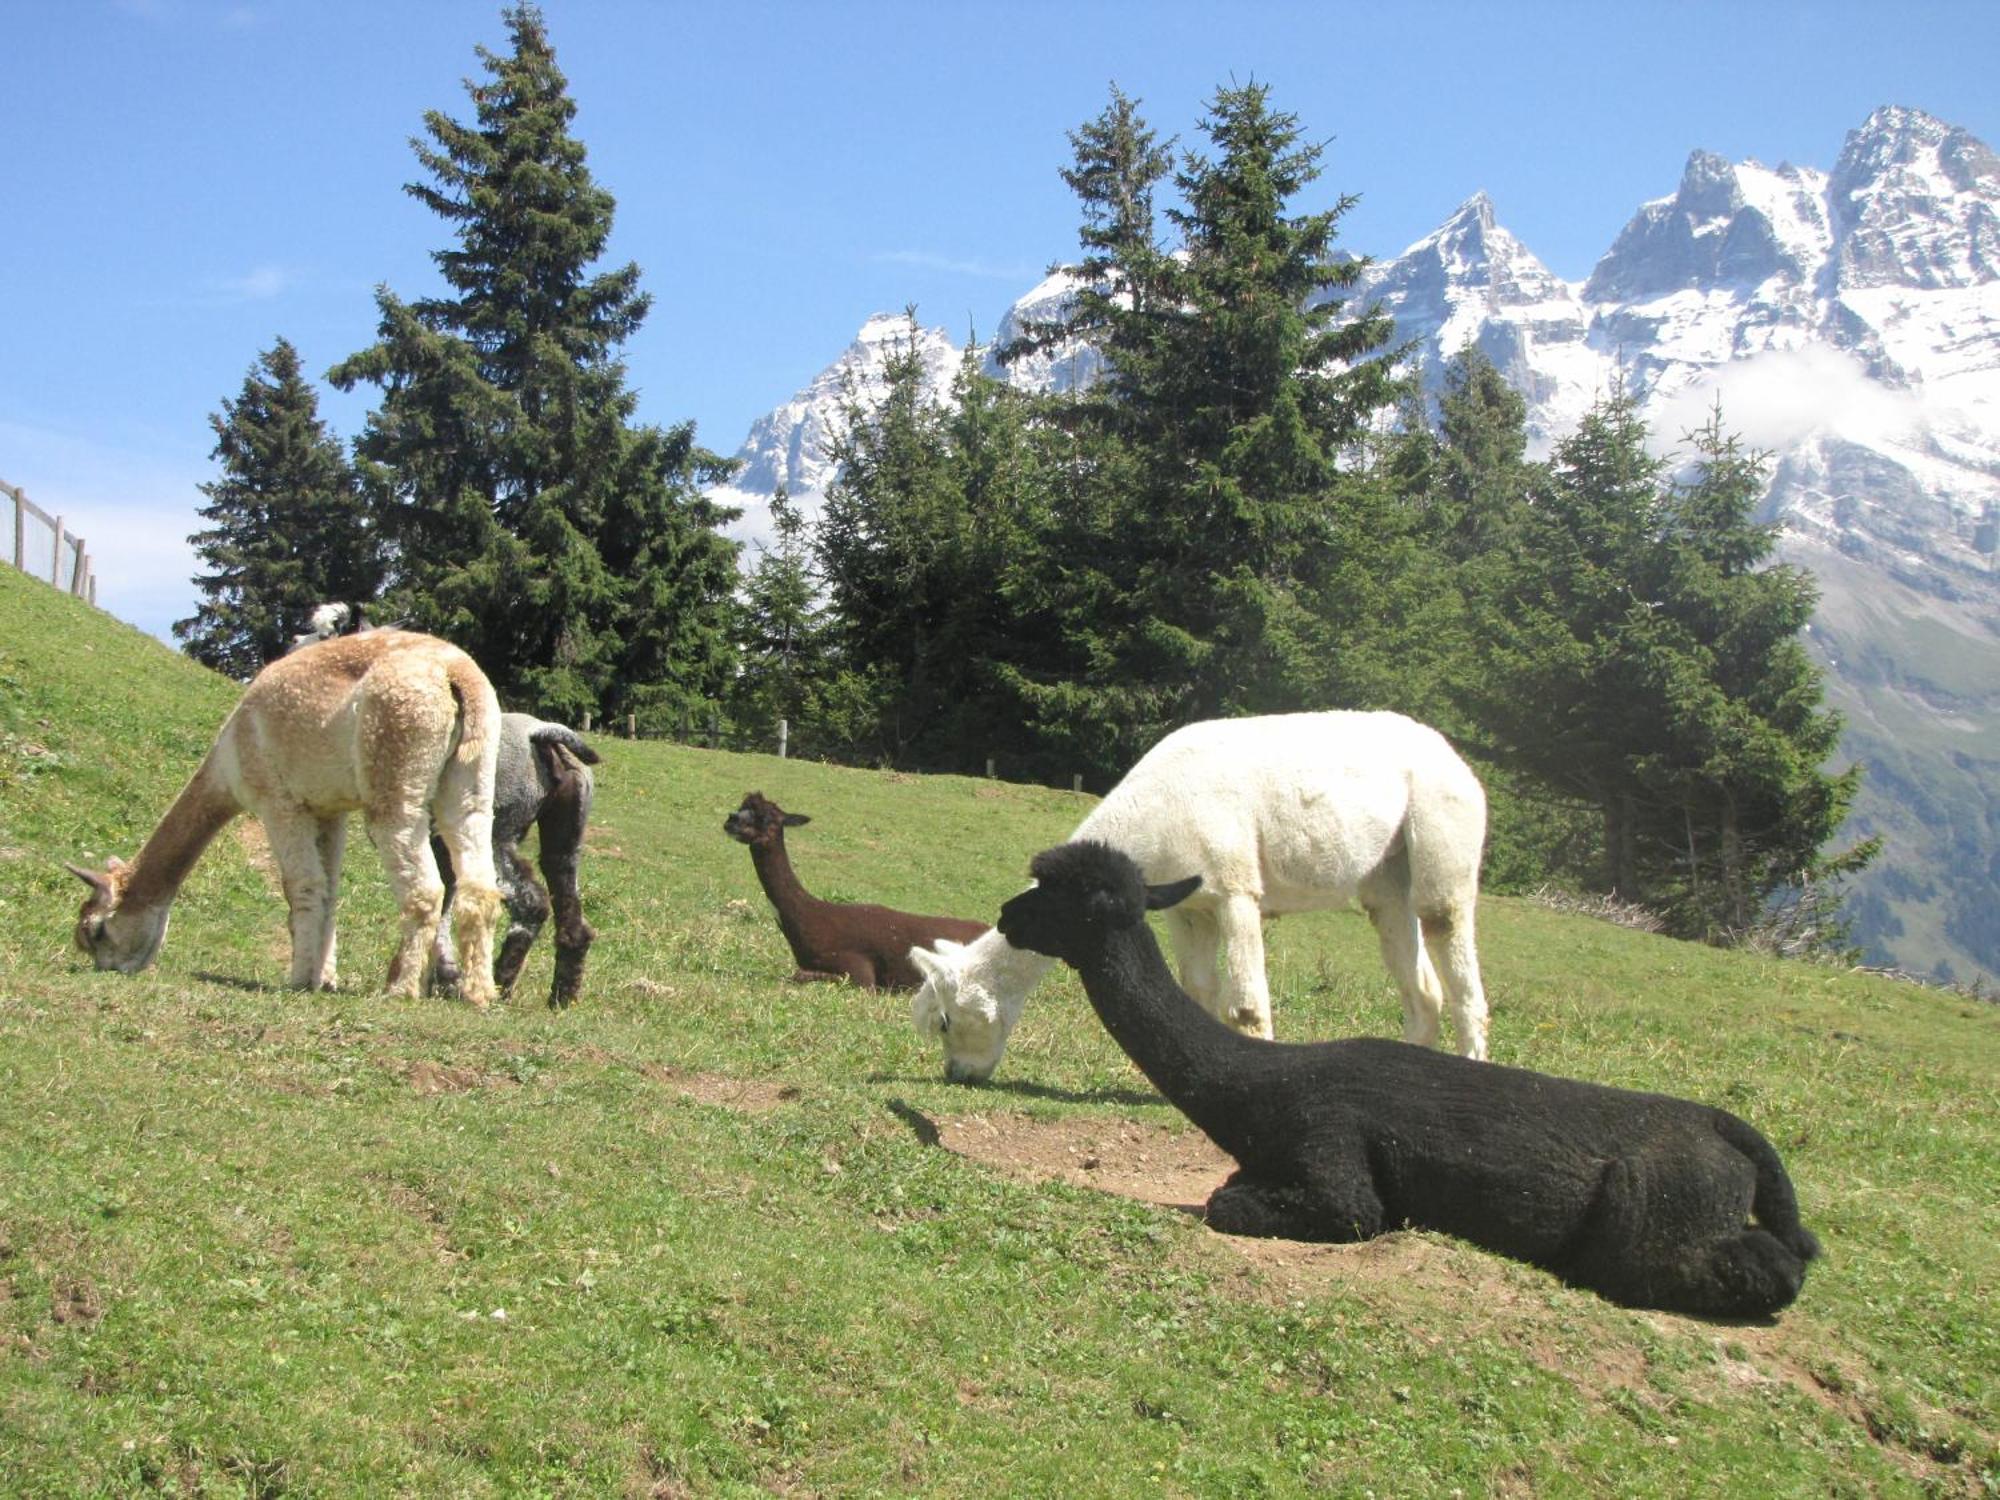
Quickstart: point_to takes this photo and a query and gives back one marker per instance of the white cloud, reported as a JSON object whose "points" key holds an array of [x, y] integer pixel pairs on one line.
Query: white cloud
{"points": [[259, 284], [1775, 399], [985, 269]]}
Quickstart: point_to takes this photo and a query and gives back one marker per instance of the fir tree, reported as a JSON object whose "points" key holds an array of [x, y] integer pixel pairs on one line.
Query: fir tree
{"points": [[568, 550], [791, 667], [893, 545], [287, 527], [1640, 654], [1237, 382]]}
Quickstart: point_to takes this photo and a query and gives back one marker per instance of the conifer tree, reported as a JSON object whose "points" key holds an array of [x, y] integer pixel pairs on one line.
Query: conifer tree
{"points": [[568, 550], [1640, 655], [1238, 380], [287, 527], [790, 663]]}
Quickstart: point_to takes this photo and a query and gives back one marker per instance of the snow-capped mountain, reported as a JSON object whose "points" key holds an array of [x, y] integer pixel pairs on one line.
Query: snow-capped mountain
{"points": [[792, 446], [1848, 322]]}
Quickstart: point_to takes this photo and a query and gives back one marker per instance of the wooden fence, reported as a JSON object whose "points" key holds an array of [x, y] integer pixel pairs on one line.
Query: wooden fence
{"points": [[46, 549]]}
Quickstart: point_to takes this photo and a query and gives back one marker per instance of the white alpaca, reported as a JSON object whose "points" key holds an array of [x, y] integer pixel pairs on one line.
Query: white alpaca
{"points": [[1286, 813], [400, 727]]}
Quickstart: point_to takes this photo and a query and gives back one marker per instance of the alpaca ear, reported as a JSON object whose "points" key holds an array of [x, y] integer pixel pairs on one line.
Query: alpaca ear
{"points": [[928, 963], [945, 947], [797, 820], [1160, 897], [96, 880]]}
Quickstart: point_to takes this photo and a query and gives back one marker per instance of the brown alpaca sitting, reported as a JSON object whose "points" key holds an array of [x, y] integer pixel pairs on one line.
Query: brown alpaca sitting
{"points": [[867, 944], [400, 727]]}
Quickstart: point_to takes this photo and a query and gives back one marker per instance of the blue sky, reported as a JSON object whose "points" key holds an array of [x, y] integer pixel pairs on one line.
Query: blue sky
{"points": [[188, 180]]}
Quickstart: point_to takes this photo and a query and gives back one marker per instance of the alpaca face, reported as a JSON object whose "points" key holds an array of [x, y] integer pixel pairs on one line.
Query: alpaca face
{"points": [[960, 1012], [1084, 891], [760, 822], [116, 939], [1060, 922]]}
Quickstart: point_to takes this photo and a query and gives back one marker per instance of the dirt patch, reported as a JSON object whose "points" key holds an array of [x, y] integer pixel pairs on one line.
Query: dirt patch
{"points": [[1171, 1168], [76, 1303], [442, 1078], [751, 1095]]}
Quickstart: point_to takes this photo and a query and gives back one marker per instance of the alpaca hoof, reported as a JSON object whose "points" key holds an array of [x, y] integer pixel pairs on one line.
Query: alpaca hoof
{"points": [[1251, 1024]]}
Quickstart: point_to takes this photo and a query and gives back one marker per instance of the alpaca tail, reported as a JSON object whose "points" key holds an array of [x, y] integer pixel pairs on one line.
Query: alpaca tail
{"points": [[478, 709], [1774, 1204], [550, 736]]}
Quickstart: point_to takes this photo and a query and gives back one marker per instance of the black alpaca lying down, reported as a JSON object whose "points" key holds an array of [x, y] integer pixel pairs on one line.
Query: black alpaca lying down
{"points": [[1643, 1198]]}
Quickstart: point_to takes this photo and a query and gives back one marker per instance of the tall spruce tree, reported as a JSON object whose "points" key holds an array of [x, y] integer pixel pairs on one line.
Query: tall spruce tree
{"points": [[568, 550], [1640, 654], [1241, 383], [1121, 281], [287, 526]]}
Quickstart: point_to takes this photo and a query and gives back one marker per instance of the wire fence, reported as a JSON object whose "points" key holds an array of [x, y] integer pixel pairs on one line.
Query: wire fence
{"points": [[45, 548], [786, 741]]}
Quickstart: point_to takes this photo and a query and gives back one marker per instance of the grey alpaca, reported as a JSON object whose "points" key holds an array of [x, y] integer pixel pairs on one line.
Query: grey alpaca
{"points": [[1643, 1198], [543, 781]]}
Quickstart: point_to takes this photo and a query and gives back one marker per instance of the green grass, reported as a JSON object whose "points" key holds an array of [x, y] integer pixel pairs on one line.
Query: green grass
{"points": [[260, 1243]]}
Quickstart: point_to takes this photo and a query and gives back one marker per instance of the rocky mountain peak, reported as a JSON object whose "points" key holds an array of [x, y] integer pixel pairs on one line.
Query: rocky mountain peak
{"points": [[1916, 203]]}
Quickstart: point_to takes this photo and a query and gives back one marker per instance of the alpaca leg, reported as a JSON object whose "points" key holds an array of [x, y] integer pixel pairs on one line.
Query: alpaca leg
{"points": [[332, 842], [1449, 940], [294, 837], [419, 891], [1246, 997], [1403, 955], [444, 957], [1196, 938], [1666, 1229], [464, 815], [1336, 1202], [527, 907], [1749, 1274], [561, 832]]}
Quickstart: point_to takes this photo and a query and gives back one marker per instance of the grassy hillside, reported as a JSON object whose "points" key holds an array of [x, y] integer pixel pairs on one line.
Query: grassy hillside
{"points": [[714, 1233]]}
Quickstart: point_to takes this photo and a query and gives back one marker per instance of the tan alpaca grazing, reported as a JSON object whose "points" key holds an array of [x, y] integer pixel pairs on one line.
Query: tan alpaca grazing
{"points": [[399, 727]]}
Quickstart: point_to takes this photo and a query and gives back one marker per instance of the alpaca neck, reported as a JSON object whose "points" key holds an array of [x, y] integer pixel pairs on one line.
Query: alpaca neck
{"points": [[1006, 971], [197, 815], [774, 873], [1188, 1055]]}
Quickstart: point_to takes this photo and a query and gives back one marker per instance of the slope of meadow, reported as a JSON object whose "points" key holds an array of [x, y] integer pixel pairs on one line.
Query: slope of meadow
{"points": [[711, 1232]]}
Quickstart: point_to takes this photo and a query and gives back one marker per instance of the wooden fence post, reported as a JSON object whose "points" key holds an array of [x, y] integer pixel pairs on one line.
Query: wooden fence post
{"points": [[20, 530], [989, 768], [55, 556], [784, 735], [631, 726], [1076, 782], [586, 721]]}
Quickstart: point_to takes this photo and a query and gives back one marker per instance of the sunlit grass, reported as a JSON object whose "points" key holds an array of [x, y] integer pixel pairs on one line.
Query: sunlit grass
{"points": [[254, 1242]]}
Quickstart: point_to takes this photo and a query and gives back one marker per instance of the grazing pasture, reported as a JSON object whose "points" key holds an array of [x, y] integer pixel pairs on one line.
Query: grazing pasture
{"points": [[710, 1232]]}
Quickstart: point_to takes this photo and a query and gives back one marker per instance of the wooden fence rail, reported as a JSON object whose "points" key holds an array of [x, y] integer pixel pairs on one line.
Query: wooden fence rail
{"points": [[45, 557]]}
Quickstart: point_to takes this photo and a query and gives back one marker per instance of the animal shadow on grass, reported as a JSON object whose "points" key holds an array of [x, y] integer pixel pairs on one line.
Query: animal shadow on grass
{"points": [[1043, 1091], [238, 982]]}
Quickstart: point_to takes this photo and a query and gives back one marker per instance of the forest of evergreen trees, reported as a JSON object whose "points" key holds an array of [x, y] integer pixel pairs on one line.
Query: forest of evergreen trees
{"points": [[1253, 510]]}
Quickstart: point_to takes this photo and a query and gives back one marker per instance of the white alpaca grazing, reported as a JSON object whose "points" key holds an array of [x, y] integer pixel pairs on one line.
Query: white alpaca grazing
{"points": [[1286, 813], [399, 727]]}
